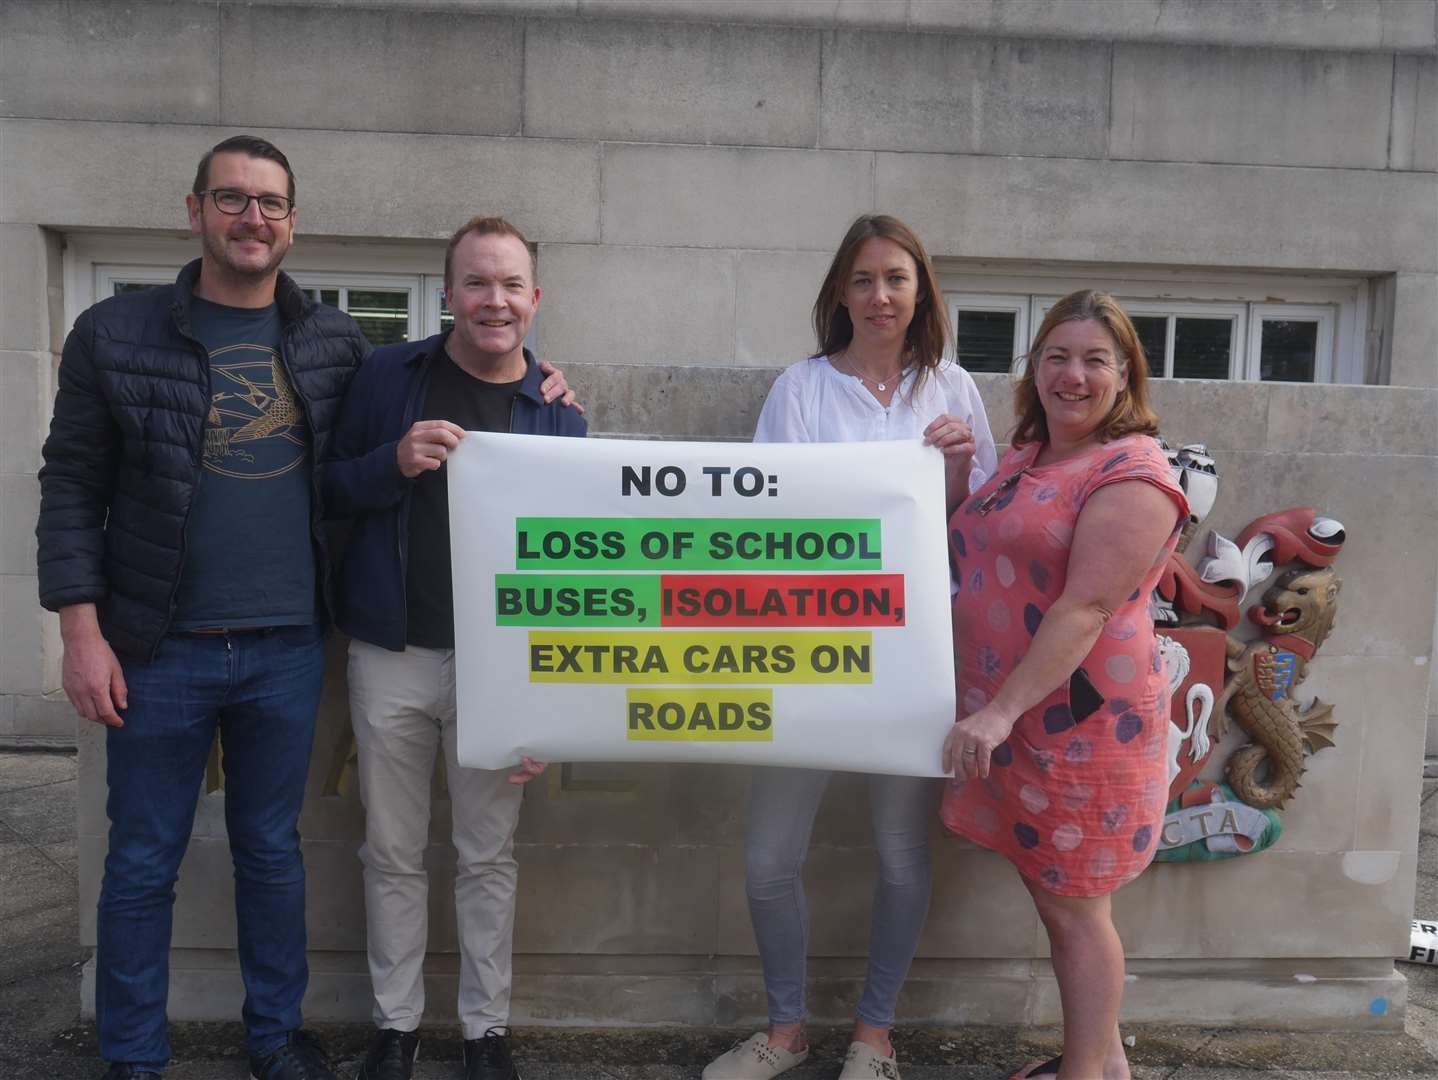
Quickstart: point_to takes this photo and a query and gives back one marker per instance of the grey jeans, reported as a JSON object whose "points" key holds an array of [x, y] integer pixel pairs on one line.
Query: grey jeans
{"points": [[782, 805], [402, 708]]}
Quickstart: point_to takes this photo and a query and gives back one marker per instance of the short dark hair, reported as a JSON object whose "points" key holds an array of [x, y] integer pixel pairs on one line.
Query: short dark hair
{"points": [[251, 146], [486, 226]]}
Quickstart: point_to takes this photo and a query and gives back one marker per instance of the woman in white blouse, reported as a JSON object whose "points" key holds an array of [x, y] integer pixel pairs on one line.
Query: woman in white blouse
{"points": [[879, 373]]}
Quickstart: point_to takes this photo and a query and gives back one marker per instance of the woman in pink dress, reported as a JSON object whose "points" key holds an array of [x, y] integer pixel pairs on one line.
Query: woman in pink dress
{"points": [[1058, 749]]}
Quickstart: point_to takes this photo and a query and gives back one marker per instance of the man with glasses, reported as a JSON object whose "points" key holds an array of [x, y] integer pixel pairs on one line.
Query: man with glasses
{"points": [[179, 541]]}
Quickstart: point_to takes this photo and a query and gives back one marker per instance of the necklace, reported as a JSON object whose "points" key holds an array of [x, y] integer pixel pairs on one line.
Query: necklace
{"points": [[864, 375]]}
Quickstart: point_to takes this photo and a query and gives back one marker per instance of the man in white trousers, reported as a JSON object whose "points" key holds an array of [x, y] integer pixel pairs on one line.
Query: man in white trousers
{"points": [[408, 407]]}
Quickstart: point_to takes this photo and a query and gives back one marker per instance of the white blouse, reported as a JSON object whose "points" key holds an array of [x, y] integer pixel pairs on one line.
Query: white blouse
{"points": [[812, 401]]}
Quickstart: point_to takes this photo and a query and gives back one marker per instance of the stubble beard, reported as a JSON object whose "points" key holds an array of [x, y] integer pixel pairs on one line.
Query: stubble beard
{"points": [[216, 249]]}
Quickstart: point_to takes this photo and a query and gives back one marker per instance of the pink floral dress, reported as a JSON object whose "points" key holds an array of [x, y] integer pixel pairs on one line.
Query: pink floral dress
{"points": [[1075, 796]]}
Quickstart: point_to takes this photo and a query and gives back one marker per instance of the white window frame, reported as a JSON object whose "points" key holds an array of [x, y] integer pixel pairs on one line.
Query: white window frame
{"points": [[411, 285], [1326, 318], [1175, 310], [107, 275], [94, 261], [1193, 291], [1016, 304], [434, 301]]}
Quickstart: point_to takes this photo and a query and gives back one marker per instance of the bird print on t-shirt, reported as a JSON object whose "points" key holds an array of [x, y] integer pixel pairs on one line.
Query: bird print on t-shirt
{"points": [[255, 427]]}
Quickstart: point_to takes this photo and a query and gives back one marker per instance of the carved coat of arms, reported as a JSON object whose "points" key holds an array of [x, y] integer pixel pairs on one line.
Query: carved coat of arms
{"points": [[1219, 677]]}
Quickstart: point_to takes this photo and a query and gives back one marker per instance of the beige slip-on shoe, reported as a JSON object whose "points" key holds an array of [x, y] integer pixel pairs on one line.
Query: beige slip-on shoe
{"points": [[863, 1062], [753, 1059]]}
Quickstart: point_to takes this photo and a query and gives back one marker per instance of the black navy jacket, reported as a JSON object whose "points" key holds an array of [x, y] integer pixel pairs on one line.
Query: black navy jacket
{"points": [[362, 479], [122, 461]]}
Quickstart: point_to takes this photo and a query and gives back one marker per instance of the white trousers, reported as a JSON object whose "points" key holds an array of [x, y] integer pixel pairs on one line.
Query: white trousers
{"points": [[403, 710]]}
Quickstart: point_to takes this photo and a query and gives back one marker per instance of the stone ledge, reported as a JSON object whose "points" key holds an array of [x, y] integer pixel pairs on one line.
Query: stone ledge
{"points": [[36, 742], [1243, 996], [692, 401], [40, 720], [1390, 25]]}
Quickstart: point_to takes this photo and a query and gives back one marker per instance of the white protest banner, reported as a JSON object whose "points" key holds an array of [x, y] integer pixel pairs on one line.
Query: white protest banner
{"points": [[774, 604]]}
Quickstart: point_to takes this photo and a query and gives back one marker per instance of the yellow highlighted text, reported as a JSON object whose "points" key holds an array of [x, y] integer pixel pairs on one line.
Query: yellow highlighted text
{"points": [[700, 715], [733, 659]]}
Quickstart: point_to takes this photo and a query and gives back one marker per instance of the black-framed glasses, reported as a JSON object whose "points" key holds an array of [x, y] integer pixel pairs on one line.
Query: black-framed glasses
{"points": [[230, 201]]}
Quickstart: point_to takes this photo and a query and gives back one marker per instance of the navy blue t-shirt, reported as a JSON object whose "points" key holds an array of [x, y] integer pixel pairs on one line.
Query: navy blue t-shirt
{"points": [[249, 555]]}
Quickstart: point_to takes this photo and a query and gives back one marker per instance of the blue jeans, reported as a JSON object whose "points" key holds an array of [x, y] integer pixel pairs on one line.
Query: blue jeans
{"points": [[260, 689], [782, 805]]}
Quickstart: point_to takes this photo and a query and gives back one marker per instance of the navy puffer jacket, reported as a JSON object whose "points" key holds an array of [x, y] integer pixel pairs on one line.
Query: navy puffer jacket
{"points": [[122, 461]]}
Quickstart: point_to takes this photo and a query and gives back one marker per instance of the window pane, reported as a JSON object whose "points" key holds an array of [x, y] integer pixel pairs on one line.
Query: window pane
{"points": [[323, 296], [446, 317], [1153, 336], [1289, 351], [1202, 348], [123, 287], [382, 315], [986, 340]]}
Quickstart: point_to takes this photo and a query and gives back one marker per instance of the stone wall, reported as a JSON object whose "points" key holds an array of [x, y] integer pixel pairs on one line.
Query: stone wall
{"points": [[632, 905], [686, 167]]}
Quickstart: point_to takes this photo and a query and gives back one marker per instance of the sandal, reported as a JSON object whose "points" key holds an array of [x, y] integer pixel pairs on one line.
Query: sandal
{"points": [[1047, 1068]]}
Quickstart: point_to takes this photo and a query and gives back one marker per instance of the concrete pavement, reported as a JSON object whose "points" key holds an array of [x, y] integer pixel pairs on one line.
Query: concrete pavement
{"points": [[42, 1037]]}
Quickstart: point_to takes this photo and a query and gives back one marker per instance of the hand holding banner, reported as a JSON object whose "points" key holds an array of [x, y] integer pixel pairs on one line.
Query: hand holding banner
{"points": [[775, 604]]}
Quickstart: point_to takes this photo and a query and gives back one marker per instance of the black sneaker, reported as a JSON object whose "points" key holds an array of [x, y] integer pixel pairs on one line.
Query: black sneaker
{"points": [[129, 1072], [391, 1056], [302, 1058], [488, 1058]]}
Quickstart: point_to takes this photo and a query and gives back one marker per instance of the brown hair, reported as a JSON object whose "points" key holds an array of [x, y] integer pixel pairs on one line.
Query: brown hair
{"points": [[1131, 413], [486, 226], [928, 332]]}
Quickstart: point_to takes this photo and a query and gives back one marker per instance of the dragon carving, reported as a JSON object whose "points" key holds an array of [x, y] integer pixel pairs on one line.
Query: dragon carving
{"points": [[1294, 619]]}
